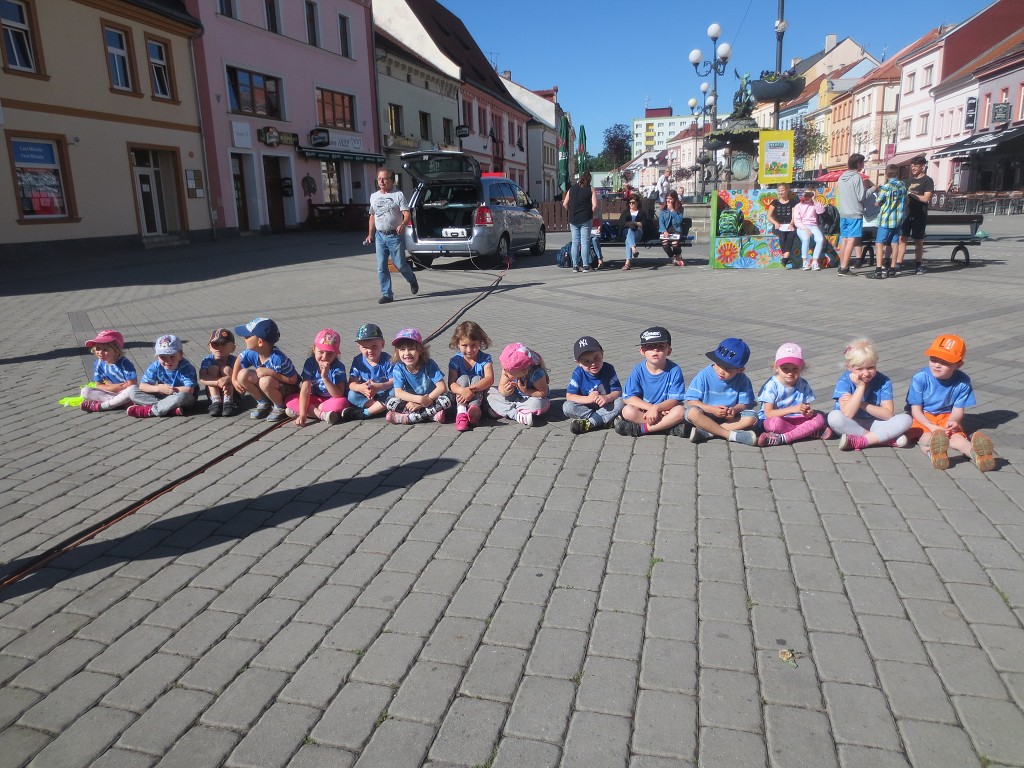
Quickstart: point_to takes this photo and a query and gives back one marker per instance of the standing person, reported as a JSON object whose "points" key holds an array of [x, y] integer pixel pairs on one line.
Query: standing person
{"points": [[780, 214], [633, 223], [664, 184], [389, 216], [892, 201], [671, 229], [581, 203], [805, 219], [919, 194], [853, 188]]}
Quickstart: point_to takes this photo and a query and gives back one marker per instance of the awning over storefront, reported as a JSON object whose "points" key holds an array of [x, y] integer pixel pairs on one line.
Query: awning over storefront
{"points": [[902, 158], [983, 142], [330, 154]]}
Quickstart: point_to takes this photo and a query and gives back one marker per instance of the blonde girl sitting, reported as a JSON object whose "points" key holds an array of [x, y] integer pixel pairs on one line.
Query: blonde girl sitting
{"points": [[865, 413]]}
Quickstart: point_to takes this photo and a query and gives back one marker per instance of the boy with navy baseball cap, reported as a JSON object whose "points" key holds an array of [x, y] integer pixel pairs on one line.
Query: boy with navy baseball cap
{"points": [[594, 396], [719, 398], [654, 390]]}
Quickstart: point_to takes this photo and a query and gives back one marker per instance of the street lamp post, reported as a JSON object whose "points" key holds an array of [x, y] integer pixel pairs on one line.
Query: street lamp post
{"points": [[715, 67], [702, 111]]}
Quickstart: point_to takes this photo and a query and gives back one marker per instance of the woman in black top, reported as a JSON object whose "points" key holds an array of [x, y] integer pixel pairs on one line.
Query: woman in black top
{"points": [[632, 224], [780, 214], [581, 203]]}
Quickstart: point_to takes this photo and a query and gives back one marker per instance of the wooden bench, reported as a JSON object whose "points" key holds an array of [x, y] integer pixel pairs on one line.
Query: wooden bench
{"points": [[959, 237], [326, 215], [650, 236]]}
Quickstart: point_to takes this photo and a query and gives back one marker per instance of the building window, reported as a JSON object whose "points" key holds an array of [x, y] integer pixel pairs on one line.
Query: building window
{"points": [[986, 110], [926, 76], [425, 126], [905, 129], [910, 82], [40, 182], [922, 125], [20, 42], [226, 8], [448, 130], [395, 119], [467, 114], [481, 114], [119, 58], [343, 35], [252, 93], [273, 19], [160, 70], [511, 132], [335, 110], [1020, 101], [312, 35]]}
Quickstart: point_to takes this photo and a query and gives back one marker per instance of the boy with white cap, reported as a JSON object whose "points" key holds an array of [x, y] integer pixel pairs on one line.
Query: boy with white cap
{"points": [[169, 385]]}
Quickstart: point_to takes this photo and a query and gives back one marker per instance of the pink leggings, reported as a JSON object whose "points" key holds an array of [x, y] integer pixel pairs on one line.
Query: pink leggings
{"points": [[795, 427], [326, 404]]}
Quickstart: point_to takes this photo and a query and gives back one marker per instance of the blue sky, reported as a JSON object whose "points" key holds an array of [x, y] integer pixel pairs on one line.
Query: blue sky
{"points": [[607, 58]]}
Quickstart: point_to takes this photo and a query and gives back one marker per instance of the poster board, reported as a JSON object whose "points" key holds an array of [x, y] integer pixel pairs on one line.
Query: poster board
{"points": [[775, 163]]}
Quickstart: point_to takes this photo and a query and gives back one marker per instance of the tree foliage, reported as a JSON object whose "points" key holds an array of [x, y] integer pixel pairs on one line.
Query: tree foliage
{"points": [[808, 142], [617, 144]]}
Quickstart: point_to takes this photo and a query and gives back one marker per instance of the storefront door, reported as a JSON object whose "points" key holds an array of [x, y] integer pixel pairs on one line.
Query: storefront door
{"points": [[241, 198], [150, 196], [275, 198]]}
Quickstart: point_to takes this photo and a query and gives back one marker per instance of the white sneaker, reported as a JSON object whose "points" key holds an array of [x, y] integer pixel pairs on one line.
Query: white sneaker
{"points": [[814, 266], [525, 418], [807, 266]]}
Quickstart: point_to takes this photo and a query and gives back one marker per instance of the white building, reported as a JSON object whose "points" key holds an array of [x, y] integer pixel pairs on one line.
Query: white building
{"points": [[541, 137], [652, 132]]}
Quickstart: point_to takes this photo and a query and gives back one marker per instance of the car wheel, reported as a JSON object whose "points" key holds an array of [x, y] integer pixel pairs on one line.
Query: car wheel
{"points": [[538, 248], [503, 254], [419, 261]]}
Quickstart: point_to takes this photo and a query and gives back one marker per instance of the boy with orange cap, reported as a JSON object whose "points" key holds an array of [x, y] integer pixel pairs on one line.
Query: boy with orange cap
{"points": [[936, 400]]}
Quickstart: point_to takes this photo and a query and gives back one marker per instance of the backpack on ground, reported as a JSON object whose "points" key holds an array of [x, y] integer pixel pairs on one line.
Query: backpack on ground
{"points": [[563, 257], [730, 222], [828, 221]]}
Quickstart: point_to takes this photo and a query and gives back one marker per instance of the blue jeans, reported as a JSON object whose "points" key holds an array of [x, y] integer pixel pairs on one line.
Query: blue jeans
{"points": [[595, 246], [391, 246], [631, 236], [580, 235]]}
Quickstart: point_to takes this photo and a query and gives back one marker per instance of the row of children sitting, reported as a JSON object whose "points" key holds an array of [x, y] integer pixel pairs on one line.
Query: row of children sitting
{"points": [[411, 388]]}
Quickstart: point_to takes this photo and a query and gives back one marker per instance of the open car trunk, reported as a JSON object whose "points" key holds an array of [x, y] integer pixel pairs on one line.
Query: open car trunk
{"points": [[446, 211]]}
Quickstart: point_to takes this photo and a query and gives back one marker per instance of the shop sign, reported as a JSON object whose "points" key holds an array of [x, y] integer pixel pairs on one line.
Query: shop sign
{"points": [[319, 137], [1001, 112], [970, 115]]}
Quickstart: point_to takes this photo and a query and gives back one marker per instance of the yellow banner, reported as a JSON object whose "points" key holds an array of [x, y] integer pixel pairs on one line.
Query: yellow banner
{"points": [[776, 157]]}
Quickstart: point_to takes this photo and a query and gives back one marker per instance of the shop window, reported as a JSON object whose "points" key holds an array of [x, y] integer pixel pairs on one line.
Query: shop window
{"points": [[21, 41], [120, 58], [40, 179], [161, 71], [335, 110], [312, 33], [344, 37], [252, 93]]}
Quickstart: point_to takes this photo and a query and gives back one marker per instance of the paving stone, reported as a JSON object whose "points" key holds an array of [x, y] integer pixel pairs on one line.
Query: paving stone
{"points": [[201, 633], [469, 732], [719, 746], [669, 665], [85, 739], [315, 756], [454, 641], [617, 634], [965, 670], [558, 653], [865, 757], [78, 694], [351, 717], [798, 737], [776, 627], [515, 753], [816, 574], [571, 609], [387, 661], [515, 624], [915, 691], [665, 725], [608, 686], [596, 740], [720, 564], [19, 744], [723, 601], [319, 678], [58, 665], [827, 611], [397, 744], [842, 658], [1004, 645], [276, 737], [995, 727], [126, 653], [860, 715], [123, 758], [220, 665], [729, 700], [784, 684], [147, 682], [672, 618], [873, 595], [936, 744], [201, 747], [160, 726], [939, 622], [245, 699], [982, 605]]}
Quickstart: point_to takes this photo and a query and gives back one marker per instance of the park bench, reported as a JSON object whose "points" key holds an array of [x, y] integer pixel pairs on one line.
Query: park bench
{"points": [[958, 230]]}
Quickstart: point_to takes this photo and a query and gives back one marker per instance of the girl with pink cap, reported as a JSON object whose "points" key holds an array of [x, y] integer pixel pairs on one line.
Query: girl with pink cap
{"points": [[522, 391], [114, 376], [323, 383], [786, 402]]}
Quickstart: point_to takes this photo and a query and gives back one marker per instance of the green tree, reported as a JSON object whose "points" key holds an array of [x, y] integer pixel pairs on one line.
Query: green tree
{"points": [[808, 142], [617, 141]]}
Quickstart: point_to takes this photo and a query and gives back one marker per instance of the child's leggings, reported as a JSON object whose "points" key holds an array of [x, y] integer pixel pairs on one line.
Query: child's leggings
{"points": [[600, 416], [327, 404], [110, 400], [478, 398], [164, 406], [796, 427], [805, 237], [509, 406], [886, 430]]}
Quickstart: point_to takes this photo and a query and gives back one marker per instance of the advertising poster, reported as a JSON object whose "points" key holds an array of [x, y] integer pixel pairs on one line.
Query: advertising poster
{"points": [[776, 164]]}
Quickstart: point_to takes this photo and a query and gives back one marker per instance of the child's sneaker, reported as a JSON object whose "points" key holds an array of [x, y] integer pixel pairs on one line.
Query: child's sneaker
{"points": [[90, 406], [438, 417], [580, 426], [628, 428], [351, 413], [744, 436], [331, 417], [394, 417], [276, 414], [700, 436], [291, 413], [216, 408], [474, 413], [899, 442], [938, 449], [982, 451], [525, 418], [826, 433], [462, 422], [177, 412], [768, 439], [853, 443], [229, 409], [140, 411], [262, 410], [682, 429]]}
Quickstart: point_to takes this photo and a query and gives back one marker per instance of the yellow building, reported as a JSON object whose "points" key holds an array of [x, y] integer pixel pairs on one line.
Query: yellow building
{"points": [[101, 128]]}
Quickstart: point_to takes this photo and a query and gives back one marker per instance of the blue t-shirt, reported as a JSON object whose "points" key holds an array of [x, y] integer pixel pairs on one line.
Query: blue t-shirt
{"points": [[278, 361], [711, 390], [182, 376], [460, 367], [878, 390], [774, 391], [362, 370], [114, 373], [606, 381], [420, 383], [211, 360], [335, 374], [655, 388], [935, 396]]}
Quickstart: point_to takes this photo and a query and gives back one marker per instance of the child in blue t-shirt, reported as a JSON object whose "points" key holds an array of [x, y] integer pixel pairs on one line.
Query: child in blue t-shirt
{"points": [[215, 373], [113, 374], [169, 385], [322, 384], [593, 398], [864, 413], [786, 402], [720, 398], [263, 370], [420, 390], [654, 391], [522, 392], [938, 395], [470, 372], [369, 377]]}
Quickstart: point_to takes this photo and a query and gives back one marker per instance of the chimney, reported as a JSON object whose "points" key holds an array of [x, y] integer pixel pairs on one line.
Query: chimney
{"points": [[830, 42], [507, 74]]}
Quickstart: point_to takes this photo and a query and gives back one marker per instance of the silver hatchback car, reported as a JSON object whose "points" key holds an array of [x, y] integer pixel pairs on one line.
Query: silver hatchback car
{"points": [[461, 213]]}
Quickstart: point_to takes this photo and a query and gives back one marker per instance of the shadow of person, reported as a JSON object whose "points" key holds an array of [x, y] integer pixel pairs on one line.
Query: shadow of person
{"points": [[990, 419], [171, 536]]}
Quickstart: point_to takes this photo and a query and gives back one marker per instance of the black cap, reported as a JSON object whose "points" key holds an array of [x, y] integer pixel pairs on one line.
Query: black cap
{"points": [[655, 335], [585, 344]]}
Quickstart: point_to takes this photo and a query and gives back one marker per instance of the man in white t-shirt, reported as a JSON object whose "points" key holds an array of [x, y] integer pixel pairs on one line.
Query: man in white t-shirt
{"points": [[664, 184], [389, 216]]}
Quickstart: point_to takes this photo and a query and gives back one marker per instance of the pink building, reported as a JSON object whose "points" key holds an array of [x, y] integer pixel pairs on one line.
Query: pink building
{"points": [[289, 108]]}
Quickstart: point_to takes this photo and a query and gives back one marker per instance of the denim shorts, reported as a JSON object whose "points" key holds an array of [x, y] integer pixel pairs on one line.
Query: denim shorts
{"points": [[851, 228], [886, 235]]}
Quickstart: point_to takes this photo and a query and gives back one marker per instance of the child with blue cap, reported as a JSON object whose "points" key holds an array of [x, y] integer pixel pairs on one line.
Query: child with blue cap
{"points": [[719, 399]]}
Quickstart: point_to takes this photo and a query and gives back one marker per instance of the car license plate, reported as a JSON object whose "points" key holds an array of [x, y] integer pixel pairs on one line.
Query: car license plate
{"points": [[453, 232]]}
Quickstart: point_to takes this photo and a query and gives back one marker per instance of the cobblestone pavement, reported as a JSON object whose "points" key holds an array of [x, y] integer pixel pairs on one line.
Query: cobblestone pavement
{"points": [[373, 595]]}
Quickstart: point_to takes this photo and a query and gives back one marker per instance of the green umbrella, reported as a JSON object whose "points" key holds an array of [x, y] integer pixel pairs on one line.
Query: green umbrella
{"points": [[581, 152], [563, 155]]}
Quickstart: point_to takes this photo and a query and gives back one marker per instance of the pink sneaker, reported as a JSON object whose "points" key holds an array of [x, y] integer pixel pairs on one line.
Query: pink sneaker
{"points": [[140, 411], [439, 417], [852, 443], [90, 406], [394, 417], [474, 413], [525, 418], [461, 422]]}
